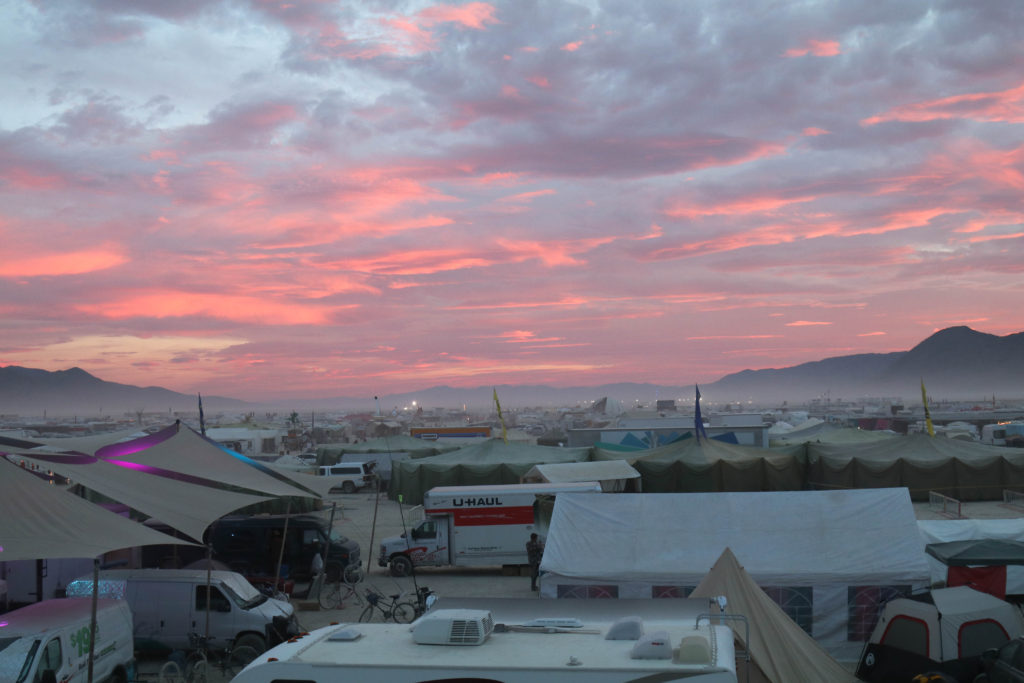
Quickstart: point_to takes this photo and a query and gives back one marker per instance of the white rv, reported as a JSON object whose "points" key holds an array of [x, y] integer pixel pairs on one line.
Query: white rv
{"points": [[49, 640], [472, 526], [650, 643]]}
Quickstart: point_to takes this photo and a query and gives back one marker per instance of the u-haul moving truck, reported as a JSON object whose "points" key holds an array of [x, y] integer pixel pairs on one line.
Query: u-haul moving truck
{"points": [[472, 526]]}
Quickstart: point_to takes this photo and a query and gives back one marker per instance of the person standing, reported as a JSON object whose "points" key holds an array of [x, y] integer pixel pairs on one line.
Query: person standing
{"points": [[534, 553]]}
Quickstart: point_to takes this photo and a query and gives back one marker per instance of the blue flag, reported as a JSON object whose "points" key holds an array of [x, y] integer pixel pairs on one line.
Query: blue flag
{"points": [[698, 421]]}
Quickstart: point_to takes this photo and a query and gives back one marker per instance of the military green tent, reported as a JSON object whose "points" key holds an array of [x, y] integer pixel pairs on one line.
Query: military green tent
{"points": [[708, 465], [490, 462], [962, 470]]}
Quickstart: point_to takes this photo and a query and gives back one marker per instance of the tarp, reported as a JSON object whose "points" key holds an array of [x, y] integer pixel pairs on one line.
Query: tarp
{"points": [[187, 507], [490, 462], [982, 551], [782, 651], [612, 474], [958, 469], [41, 521], [823, 553]]}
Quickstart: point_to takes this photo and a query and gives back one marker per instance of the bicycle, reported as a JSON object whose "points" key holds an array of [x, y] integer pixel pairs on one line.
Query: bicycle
{"points": [[333, 595], [425, 598], [390, 610], [196, 667]]}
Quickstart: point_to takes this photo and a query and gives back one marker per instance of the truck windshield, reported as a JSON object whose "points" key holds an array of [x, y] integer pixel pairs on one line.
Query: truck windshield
{"points": [[337, 538], [16, 656]]}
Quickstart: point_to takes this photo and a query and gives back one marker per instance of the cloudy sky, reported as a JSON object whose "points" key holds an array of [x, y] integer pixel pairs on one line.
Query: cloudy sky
{"points": [[305, 198]]}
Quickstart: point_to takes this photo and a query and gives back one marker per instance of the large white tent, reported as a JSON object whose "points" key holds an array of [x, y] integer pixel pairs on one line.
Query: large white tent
{"points": [[830, 558]]}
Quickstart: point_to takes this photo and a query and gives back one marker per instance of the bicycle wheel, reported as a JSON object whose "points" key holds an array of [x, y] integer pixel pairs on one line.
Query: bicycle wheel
{"points": [[239, 659], [353, 574], [170, 672], [330, 596], [403, 613], [196, 671], [367, 614]]}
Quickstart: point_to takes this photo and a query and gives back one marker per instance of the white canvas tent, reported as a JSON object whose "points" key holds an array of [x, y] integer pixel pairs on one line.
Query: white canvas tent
{"points": [[613, 475], [829, 557]]}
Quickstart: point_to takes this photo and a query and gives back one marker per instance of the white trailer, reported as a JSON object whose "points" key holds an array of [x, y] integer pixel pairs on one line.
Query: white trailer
{"points": [[630, 640], [474, 526]]}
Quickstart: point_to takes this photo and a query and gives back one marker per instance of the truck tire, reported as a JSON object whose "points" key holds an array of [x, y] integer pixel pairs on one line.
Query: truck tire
{"points": [[348, 487], [401, 566], [250, 640], [332, 572]]}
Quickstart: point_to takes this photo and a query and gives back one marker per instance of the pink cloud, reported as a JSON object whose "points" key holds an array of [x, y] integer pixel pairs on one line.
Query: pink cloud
{"points": [[814, 132], [180, 304], [1005, 105], [572, 47], [62, 263], [818, 48], [805, 323]]}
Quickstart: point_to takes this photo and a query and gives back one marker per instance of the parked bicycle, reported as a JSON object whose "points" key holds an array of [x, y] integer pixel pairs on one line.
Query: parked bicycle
{"points": [[197, 667], [424, 599], [332, 595], [390, 608]]}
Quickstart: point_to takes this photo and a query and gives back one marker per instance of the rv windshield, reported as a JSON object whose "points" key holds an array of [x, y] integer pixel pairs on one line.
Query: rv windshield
{"points": [[16, 655]]}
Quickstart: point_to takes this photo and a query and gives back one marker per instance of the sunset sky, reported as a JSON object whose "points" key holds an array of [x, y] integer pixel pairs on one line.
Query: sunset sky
{"points": [[307, 198]]}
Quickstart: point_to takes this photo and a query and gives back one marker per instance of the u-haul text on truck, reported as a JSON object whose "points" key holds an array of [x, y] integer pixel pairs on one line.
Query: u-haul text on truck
{"points": [[472, 526]]}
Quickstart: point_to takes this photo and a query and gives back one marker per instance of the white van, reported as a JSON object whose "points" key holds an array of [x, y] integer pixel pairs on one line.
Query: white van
{"points": [[49, 641], [350, 476], [170, 604]]}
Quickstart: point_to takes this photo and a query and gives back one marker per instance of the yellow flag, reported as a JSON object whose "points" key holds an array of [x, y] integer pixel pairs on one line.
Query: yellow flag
{"points": [[927, 414], [497, 404]]}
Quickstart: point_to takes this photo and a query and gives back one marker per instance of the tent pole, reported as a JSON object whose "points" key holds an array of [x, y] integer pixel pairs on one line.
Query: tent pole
{"points": [[373, 527], [92, 619], [284, 539], [209, 581]]}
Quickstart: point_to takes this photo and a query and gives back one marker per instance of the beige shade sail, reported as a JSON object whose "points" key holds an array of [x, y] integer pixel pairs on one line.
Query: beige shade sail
{"points": [[182, 453], [184, 506], [41, 521]]}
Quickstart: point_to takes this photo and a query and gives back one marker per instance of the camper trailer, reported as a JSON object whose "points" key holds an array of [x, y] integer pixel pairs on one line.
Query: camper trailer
{"points": [[589, 643], [472, 526], [945, 630], [49, 640]]}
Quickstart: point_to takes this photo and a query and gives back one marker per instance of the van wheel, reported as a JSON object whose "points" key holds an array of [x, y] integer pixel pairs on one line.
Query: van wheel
{"points": [[119, 676], [250, 640], [401, 566], [348, 487]]}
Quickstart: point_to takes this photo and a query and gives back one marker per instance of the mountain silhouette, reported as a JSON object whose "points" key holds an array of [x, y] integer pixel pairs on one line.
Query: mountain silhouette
{"points": [[954, 363]]}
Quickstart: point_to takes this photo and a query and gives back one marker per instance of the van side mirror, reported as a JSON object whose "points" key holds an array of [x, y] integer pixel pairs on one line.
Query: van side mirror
{"points": [[222, 607], [49, 676]]}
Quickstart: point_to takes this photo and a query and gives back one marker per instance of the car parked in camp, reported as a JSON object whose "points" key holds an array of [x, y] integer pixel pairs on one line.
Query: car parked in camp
{"points": [[1004, 664]]}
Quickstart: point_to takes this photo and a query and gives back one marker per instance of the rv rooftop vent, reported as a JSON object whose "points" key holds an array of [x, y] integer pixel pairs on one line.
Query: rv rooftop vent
{"points": [[626, 628], [654, 645], [453, 627]]}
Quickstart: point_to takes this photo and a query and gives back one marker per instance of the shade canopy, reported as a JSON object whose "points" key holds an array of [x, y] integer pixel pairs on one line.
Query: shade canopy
{"points": [[41, 521], [187, 507], [977, 552]]}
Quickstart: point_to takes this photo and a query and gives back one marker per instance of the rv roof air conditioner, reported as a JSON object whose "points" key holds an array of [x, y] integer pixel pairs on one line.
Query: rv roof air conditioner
{"points": [[453, 627]]}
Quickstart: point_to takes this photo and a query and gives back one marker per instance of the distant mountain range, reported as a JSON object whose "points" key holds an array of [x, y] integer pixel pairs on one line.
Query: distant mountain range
{"points": [[955, 363]]}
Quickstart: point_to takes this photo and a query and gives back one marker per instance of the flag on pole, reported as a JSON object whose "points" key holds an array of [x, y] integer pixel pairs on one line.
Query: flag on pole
{"points": [[202, 420], [927, 414], [497, 404], [698, 421]]}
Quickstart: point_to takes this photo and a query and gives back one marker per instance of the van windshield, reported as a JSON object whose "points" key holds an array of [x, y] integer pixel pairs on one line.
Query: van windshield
{"points": [[242, 593], [16, 655], [338, 538]]}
